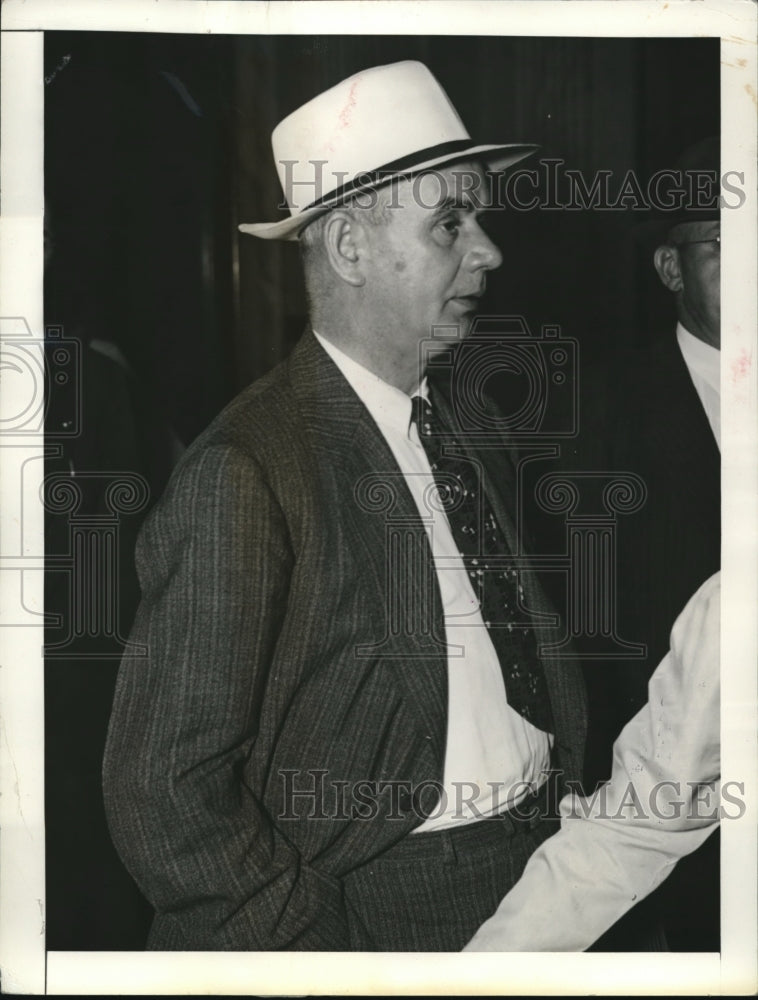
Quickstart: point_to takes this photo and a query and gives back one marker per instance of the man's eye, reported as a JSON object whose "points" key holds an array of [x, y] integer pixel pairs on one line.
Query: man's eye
{"points": [[450, 226]]}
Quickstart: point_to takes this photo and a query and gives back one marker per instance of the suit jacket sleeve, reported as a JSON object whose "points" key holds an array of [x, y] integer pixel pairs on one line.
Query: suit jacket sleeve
{"points": [[215, 562], [659, 805]]}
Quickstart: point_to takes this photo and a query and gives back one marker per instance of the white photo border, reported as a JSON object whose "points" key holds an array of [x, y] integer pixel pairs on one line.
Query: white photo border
{"points": [[25, 964]]}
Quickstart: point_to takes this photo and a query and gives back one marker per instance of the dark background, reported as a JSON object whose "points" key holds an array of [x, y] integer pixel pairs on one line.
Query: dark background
{"points": [[156, 147]]}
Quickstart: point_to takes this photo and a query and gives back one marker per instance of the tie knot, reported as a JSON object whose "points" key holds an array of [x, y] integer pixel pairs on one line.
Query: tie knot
{"points": [[421, 415]]}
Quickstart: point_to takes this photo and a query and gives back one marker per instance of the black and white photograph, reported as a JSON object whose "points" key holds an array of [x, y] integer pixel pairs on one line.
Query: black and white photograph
{"points": [[379, 497]]}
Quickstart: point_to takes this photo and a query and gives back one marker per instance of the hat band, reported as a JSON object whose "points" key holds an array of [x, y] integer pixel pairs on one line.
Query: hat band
{"points": [[371, 178]]}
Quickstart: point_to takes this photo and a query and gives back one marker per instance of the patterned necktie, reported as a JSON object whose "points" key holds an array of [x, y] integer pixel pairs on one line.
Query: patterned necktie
{"points": [[478, 538]]}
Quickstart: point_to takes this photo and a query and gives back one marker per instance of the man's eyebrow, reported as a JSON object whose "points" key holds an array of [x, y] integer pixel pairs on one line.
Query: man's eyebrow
{"points": [[456, 204]]}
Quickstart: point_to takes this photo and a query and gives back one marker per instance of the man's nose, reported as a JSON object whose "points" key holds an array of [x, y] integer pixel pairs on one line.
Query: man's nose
{"points": [[484, 254]]}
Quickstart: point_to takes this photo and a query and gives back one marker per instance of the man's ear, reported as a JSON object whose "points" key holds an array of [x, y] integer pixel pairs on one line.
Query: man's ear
{"points": [[343, 245], [668, 265]]}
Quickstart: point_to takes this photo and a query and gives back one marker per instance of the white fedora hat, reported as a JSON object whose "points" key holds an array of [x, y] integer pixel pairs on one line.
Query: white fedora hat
{"points": [[384, 122]]}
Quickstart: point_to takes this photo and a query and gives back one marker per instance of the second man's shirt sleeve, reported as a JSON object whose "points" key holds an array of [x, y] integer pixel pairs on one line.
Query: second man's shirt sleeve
{"points": [[661, 803]]}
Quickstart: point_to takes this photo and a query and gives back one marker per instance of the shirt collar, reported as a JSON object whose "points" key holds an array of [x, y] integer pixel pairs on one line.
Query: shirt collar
{"points": [[390, 407], [700, 358]]}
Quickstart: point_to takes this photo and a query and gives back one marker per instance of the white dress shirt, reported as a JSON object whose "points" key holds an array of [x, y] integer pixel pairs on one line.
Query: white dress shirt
{"points": [[703, 364], [660, 804], [492, 752]]}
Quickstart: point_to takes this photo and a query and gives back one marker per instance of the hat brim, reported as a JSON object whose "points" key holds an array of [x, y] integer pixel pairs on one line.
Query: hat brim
{"points": [[652, 232], [496, 158]]}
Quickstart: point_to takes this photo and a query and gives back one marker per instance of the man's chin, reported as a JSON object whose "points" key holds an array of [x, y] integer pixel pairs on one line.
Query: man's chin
{"points": [[446, 334], [463, 316], [466, 322]]}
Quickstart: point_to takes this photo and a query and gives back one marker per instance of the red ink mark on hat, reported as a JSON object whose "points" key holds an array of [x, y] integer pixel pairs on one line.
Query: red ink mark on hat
{"points": [[741, 365], [350, 104], [343, 118]]}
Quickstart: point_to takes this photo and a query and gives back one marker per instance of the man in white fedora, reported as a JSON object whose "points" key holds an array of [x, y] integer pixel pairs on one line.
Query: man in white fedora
{"points": [[340, 736]]}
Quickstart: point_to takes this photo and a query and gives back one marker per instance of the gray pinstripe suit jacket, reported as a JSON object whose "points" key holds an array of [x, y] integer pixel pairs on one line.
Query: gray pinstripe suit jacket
{"points": [[261, 574]]}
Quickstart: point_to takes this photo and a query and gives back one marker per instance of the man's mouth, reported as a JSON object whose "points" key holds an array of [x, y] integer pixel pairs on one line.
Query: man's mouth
{"points": [[469, 301]]}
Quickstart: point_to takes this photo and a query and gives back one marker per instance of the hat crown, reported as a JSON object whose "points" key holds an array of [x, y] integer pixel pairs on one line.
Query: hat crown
{"points": [[371, 120], [384, 122]]}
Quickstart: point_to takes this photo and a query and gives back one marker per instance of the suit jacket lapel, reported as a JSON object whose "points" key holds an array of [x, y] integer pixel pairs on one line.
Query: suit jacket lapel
{"points": [[368, 492]]}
